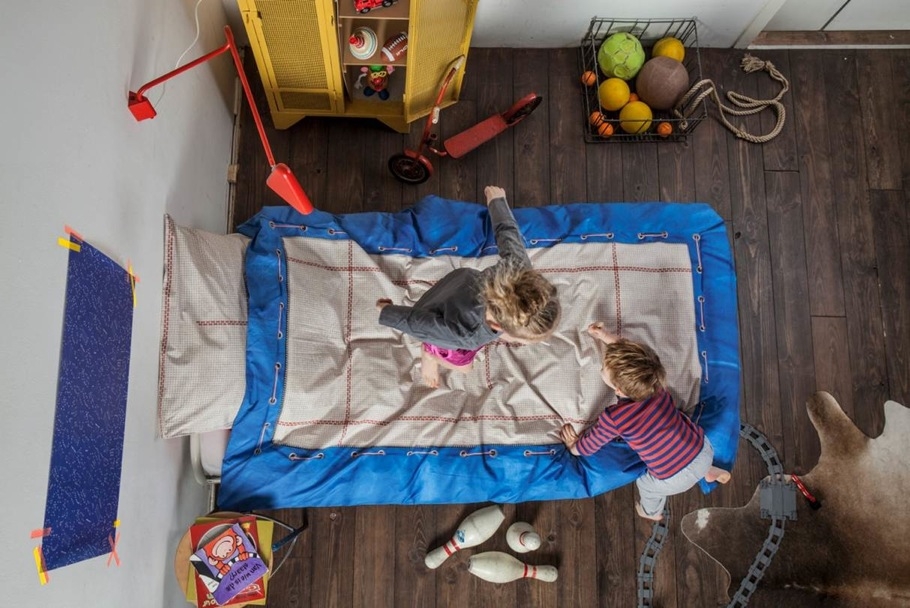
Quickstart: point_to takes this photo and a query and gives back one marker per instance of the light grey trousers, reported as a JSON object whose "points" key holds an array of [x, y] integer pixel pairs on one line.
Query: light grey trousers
{"points": [[653, 492]]}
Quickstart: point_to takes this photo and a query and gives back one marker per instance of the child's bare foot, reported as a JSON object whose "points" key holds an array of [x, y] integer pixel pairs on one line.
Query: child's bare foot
{"points": [[641, 512], [429, 369], [717, 474], [493, 192]]}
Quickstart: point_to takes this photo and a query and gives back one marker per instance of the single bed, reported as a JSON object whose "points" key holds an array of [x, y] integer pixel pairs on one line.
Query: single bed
{"points": [[329, 409]]}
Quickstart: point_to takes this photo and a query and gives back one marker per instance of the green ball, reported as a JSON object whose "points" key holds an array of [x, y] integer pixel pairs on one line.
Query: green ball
{"points": [[621, 56]]}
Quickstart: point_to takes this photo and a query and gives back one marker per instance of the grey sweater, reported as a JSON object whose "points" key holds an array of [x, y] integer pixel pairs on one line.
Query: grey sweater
{"points": [[451, 314]]}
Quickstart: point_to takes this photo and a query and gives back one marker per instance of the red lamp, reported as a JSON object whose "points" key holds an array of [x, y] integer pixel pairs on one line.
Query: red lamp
{"points": [[281, 180]]}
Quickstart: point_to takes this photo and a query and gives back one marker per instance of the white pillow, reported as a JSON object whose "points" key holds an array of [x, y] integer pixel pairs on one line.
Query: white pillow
{"points": [[202, 357]]}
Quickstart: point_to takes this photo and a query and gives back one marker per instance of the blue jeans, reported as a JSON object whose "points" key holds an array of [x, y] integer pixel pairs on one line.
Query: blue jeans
{"points": [[653, 492]]}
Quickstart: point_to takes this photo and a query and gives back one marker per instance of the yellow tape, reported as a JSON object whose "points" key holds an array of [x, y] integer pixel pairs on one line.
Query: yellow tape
{"points": [[39, 563], [116, 523], [67, 244], [132, 281]]}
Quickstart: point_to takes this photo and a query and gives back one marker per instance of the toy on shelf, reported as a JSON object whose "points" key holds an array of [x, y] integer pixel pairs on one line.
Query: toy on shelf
{"points": [[365, 6], [396, 47], [377, 80], [363, 43]]}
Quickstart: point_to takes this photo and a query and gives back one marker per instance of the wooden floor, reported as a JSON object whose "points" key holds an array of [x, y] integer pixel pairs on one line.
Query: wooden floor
{"points": [[820, 228]]}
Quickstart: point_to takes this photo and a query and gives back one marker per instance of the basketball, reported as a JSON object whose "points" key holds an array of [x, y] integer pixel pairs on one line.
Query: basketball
{"points": [[661, 82]]}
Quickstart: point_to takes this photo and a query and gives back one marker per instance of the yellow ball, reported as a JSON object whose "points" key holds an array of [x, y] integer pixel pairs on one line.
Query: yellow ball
{"points": [[669, 47], [635, 117], [613, 94]]}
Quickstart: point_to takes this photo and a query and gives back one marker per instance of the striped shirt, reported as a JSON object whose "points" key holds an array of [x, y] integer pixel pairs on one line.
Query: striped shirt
{"points": [[663, 437]]}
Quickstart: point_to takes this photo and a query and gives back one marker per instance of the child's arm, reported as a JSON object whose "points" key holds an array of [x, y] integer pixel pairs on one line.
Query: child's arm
{"points": [[597, 331], [508, 237]]}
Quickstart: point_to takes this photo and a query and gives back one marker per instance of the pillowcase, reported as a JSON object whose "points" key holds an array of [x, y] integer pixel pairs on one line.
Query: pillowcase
{"points": [[202, 357]]}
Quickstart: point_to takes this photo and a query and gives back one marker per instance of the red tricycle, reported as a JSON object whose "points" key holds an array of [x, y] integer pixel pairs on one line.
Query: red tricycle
{"points": [[412, 167]]}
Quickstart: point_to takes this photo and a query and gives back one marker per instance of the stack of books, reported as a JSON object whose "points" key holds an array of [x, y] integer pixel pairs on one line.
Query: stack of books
{"points": [[230, 561]]}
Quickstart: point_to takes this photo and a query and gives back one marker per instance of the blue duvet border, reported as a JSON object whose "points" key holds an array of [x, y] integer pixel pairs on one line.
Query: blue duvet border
{"points": [[257, 474]]}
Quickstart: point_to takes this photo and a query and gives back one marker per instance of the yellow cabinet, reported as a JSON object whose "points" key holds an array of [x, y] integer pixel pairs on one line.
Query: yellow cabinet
{"points": [[308, 68]]}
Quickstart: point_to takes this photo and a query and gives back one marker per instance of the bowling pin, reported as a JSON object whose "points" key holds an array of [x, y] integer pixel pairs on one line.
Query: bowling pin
{"points": [[522, 537], [499, 567], [473, 530]]}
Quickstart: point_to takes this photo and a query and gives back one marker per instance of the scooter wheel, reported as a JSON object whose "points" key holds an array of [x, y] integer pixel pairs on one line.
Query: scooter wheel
{"points": [[409, 169], [521, 109]]}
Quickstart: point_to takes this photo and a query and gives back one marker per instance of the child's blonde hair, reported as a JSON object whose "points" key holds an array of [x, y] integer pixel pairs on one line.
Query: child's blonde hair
{"points": [[522, 302], [635, 369]]}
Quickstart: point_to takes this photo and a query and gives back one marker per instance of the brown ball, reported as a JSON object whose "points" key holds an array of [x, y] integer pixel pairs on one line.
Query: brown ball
{"points": [[661, 82]]}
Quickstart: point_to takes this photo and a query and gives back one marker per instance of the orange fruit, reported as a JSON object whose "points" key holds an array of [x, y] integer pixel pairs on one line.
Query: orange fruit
{"points": [[596, 118], [634, 97], [635, 117], [664, 129], [589, 78], [613, 94], [605, 130], [669, 47]]}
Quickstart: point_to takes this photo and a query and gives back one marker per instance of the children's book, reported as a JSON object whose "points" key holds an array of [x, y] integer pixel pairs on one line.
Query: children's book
{"points": [[228, 566], [261, 531]]}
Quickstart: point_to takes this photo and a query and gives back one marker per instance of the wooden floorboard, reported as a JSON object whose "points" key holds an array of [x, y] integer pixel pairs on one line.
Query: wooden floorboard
{"points": [[820, 230]]}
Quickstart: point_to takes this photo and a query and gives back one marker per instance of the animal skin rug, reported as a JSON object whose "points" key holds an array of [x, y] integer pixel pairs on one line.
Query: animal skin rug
{"points": [[851, 552]]}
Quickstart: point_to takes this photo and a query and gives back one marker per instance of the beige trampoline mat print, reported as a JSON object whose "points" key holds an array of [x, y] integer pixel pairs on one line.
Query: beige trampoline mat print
{"points": [[353, 383]]}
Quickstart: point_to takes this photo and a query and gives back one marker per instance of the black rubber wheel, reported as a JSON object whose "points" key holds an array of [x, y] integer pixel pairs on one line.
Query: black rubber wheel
{"points": [[387, 3], [522, 108], [410, 170]]}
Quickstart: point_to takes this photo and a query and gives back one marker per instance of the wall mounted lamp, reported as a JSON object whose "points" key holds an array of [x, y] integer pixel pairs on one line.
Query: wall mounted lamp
{"points": [[281, 180]]}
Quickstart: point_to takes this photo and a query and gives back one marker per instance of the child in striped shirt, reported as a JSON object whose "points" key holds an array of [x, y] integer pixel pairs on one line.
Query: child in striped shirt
{"points": [[674, 448]]}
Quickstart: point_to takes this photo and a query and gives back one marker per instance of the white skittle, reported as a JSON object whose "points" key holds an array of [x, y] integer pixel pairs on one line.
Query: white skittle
{"points": [[473, 530], [522, 537], [499, 567]]}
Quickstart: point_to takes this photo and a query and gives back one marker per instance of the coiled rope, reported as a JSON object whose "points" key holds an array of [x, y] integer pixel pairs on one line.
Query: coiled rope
{"points": [[747, 106]]}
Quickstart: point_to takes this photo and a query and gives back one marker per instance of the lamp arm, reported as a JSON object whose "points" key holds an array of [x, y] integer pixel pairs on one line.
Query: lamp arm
{"points": [[249, 94], [140, 94]]}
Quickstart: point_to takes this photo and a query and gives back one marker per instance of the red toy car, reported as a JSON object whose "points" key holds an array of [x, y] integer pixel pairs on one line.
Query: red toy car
{"points": [[365, 6]]}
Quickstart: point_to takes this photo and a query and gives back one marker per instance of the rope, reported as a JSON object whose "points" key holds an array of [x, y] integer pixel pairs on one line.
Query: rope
{"points": [[704, 88]]}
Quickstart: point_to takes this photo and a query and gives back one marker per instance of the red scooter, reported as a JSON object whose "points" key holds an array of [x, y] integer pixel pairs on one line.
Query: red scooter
{"points": [[412, 167]]}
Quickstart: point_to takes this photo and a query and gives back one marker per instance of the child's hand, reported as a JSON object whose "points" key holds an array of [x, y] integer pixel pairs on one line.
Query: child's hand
{"points": [[382, 303], [493, 192], [597, 331], [569, 437]]}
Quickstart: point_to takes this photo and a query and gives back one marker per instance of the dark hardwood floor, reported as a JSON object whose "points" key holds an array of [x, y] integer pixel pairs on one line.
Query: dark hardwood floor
{"points": [[820, 228]]}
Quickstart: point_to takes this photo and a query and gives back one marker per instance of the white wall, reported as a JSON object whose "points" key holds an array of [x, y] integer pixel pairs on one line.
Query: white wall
{"points": [[838, 15], [563, 23], [71, 153]]}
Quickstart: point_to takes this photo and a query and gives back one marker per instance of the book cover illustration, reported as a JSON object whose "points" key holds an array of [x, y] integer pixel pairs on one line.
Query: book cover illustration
{"points": [[260, 530], [227, 562]]}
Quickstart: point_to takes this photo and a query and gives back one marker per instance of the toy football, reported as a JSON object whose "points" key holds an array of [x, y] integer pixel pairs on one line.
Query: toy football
{"points": [[621, 55], [396, 47]]}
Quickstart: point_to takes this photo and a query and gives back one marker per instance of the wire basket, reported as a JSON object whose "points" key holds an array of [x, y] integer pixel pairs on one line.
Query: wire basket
{"points": [[648, 31]]}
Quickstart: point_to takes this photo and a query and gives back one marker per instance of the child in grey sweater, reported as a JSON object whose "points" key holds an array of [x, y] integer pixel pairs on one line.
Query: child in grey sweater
{"points": [[468, 308]]}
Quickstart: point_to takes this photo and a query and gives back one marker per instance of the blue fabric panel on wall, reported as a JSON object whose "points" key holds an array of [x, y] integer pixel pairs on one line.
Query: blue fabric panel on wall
{"points": [[84, 483], [259, 474]]}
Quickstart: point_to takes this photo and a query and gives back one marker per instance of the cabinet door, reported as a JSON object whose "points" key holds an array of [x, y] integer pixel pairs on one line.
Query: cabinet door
{"points": [[296, 50], [440, 31]]}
